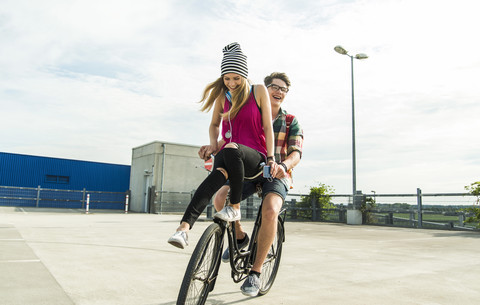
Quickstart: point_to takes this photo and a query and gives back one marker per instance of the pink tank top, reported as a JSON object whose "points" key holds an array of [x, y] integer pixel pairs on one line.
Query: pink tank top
{"points": [[246, 127]]}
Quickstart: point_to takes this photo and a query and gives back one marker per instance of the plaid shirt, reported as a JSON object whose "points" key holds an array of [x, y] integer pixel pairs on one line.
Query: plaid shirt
{"points": [[286, 144]]}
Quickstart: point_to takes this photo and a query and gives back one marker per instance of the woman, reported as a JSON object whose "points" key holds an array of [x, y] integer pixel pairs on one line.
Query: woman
{"points": [[245, 114]]}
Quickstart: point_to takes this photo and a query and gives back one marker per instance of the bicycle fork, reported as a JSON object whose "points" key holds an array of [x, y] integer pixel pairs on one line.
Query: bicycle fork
{"points": [[218, 256]]}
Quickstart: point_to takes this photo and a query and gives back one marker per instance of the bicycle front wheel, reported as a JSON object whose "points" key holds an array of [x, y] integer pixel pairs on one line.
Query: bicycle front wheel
{"points": [[203, 268], [272, 262]]}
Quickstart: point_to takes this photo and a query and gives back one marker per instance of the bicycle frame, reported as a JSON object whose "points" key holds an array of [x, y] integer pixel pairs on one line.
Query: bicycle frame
{"points": [[241, 261], [202, 270]]}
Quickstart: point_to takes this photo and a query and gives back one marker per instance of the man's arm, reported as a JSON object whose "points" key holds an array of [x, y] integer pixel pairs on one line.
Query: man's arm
{"points": [[290, 162]]}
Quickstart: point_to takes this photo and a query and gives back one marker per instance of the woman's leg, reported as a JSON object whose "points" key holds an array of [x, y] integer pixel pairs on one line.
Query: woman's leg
{"points": [[238, 160], [196, 206], [201, 198]]}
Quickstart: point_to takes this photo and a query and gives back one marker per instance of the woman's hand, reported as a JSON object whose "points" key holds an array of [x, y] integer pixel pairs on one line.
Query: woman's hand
{"points": [[206, 151]]}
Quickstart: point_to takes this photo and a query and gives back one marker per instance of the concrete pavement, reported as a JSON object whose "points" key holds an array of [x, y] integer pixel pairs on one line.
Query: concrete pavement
{"points": [[62, 257]]}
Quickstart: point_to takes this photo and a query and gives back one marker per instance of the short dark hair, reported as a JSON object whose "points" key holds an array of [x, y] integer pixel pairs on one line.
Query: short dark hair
{"points": [[280, 75]]}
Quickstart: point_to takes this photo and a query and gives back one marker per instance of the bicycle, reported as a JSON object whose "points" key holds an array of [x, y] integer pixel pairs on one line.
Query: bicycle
{"points": [[202, 269]]}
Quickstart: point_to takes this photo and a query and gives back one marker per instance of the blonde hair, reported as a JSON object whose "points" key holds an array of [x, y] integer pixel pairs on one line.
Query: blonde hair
{"points": [[218, 88]]}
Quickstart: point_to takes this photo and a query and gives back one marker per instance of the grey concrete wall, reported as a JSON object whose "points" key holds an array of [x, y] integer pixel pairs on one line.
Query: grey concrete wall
{"points": [[170, 167]]}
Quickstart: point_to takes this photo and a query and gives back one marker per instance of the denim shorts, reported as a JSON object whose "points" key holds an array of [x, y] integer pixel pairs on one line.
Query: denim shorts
{"points": [[275, 186]]}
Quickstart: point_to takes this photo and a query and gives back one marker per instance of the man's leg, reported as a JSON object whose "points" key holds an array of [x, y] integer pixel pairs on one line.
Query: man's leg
{"points": [[274, 195], [221, 197], [266, 235]]}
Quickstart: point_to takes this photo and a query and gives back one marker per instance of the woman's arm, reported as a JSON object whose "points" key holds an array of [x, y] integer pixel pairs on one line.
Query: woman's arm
{"points": [[261, 95], [214, 129]]}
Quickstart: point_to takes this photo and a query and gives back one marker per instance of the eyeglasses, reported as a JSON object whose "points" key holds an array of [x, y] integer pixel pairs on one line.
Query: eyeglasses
{"points": [[276, 88]]}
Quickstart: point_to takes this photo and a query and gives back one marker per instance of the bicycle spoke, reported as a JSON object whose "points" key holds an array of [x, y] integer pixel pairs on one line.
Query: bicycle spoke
{"points": [[200, 275], [268, 264], [271, 263], [205, 261]]}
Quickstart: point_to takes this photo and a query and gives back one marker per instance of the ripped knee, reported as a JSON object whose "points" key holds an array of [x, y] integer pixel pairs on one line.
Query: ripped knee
{"points": [[223, 171]]}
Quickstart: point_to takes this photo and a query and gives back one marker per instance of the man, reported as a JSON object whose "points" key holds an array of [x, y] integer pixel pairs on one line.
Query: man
{"points": [[288, 150]]}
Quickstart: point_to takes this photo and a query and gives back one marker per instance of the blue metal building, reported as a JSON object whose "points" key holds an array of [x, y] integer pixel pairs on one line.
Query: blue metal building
{"points": [[34, 181], [56, 173]]}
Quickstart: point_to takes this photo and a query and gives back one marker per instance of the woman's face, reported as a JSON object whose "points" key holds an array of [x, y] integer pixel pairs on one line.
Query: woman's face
{"points": [[232, 81]]}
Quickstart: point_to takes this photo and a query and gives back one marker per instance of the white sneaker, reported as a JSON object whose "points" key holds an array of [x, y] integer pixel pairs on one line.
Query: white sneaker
{"points": [[179, 239], [228, 213]]}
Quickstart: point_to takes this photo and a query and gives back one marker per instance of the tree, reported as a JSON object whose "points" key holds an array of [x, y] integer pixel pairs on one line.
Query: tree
{"points": [[366, 208], [474, 189], [320, 195]]}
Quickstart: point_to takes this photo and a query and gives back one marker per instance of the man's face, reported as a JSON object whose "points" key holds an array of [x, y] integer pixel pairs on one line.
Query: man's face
{"points": [[276, 90]]}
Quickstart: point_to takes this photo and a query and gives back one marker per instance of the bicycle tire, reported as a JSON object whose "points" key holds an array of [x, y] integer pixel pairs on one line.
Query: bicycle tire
{"points": [[272, 262], [202, 268]]}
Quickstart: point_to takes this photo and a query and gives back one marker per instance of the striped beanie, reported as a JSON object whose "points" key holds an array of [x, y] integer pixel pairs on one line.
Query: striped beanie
{"points": [[234, 61]]}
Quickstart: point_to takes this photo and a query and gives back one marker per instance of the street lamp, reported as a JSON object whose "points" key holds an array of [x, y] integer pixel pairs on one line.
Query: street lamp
{"points": [[341, 50]]}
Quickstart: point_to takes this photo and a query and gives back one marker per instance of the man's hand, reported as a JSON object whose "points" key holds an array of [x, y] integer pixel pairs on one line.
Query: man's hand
{"points": [[281, 173], [273, 168], [292, 160]]}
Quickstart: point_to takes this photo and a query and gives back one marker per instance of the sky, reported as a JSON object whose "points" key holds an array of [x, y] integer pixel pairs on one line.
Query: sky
{"points": [[90, 80]]}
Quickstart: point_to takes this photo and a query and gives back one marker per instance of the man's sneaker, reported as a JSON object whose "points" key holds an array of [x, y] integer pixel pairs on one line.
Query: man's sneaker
{"points": [[228, 213], [179, 239], [251, 286], [226, 253]]}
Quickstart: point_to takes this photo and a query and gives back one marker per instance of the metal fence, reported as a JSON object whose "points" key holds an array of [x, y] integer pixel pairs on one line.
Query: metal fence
{"points": [[54, 198], [430, 211], [433, 211]]}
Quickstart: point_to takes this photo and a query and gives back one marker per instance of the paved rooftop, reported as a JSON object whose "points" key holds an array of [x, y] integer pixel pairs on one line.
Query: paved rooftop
{"points": [[66, 257]]}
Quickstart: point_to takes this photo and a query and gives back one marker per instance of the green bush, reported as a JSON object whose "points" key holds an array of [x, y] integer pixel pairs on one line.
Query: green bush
{"points": [[474, 189], [367, 206], [321, 196]]}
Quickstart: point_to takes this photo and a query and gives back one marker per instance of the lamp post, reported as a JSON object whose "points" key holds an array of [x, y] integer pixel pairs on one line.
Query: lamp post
{"points": [[342, 51]]}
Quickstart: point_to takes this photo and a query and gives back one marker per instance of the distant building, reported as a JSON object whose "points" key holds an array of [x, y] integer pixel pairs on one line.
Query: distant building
{"points": [[163, 176], [56, 173]]}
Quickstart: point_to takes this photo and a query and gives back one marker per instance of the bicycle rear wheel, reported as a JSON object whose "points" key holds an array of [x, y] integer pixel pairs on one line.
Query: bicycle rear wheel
{"points": [[272, 262], [203, 267]]}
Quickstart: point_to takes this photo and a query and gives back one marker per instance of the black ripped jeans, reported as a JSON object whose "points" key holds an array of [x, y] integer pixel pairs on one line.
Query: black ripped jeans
{"points": [[238, 162]]}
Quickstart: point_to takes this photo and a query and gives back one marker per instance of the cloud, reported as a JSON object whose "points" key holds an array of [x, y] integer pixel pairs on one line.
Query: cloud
{"points": [[90, 80]]}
